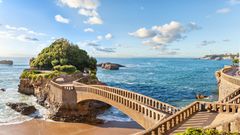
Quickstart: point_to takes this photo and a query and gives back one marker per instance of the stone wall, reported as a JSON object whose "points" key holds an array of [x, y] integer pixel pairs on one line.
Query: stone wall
{"points": [[226, 84]]}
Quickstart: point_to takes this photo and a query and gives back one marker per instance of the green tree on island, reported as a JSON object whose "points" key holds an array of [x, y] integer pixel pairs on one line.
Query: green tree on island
{"points": [[61, 52]]}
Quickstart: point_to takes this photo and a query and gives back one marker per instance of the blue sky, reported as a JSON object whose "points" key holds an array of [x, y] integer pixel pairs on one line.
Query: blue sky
{"points": [[122, 28]]}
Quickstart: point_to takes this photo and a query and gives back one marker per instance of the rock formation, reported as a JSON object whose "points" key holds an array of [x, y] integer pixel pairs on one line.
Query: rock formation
{"points": [[2, 89], [200, 96], [22, 108], [110, 66], [7, 62]]}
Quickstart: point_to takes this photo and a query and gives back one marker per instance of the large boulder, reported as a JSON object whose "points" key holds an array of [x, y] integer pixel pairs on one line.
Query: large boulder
{"points": [[110, 66], [22, 108]]}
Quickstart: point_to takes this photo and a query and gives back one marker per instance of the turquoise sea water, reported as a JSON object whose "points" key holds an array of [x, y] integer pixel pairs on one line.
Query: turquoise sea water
{"points": [[172, 80]]}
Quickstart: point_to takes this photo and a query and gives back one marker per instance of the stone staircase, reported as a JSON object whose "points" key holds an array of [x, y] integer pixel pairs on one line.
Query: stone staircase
{"points": [[198, 120]]}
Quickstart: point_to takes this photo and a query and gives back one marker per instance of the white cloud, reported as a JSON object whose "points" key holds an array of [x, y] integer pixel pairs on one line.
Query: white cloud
{"points": [[25, 38], [88, 4], [207, 42], [94, 20], [106, 50], [142, 33], [86, 8], [24, 29], [162, 35], [223, 10], [1, 1], [99, 37], [61, 19], [88, 30], [87, 12], [108, 36]]}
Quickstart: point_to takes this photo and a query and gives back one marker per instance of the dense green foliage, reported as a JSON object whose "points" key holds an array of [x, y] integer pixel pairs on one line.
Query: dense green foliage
{"points": [[199, 131], [235, 61], [62, 52], [36, 75], [66, 68]]}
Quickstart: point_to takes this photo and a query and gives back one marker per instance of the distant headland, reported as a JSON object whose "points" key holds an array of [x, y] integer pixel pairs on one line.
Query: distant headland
{"points": [[227, 56]]}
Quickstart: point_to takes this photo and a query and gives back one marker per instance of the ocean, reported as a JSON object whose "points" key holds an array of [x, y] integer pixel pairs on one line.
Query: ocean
{"points": [[172, 80]]}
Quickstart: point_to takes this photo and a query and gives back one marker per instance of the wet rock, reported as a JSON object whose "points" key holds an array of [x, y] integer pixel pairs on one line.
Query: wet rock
{"points": [[110, 66], [22, 108], [200, 96], [2, 89]]}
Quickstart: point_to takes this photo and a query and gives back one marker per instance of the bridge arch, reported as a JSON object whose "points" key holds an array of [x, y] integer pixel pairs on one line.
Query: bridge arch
{"points": [[142, 114]]}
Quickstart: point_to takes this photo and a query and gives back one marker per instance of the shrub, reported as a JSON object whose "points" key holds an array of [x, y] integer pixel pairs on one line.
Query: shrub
{"points": [[66, 68], [62, 52], [199, 131]]}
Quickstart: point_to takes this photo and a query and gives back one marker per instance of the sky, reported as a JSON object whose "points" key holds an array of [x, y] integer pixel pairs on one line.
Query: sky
{"points": [[121, 28]]}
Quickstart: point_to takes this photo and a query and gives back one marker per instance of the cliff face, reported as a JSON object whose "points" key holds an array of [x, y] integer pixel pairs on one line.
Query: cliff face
{"points": [[69, 112]]}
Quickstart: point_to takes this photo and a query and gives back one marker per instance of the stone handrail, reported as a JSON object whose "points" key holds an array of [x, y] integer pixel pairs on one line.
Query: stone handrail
{"points": [[219, 107], [133, 105], [158, 105], [227, 125], [229, 78], [235, 100], [167, 125], [231, 96], [163, 127]]}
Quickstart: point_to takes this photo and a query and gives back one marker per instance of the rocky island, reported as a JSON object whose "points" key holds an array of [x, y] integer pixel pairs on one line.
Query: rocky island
{"points": [[110, 66], [6, 62], [62, 62]]}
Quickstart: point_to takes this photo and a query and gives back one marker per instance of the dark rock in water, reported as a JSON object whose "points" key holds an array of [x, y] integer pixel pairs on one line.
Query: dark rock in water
{"points": [[22, 108], [200, 96], [2, 89], [7, 62], [110, 66]]}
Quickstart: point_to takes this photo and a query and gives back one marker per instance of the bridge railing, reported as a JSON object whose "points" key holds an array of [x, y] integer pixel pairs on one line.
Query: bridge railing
{"points": [[131, 104], [231, 96], [158, 105], [167, 125]]}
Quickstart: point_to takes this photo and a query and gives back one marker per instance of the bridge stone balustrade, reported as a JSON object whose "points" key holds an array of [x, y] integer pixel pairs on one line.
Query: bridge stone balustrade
{"points": [[142, 114], [169, 124], [158, 105], [231, 97]]}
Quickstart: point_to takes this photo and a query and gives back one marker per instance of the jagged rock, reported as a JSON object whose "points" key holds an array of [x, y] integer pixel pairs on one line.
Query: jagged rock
{"points": [[2, 89], [7, 62], [22, 108], [200, 96], [110, 66], [82, 112]]}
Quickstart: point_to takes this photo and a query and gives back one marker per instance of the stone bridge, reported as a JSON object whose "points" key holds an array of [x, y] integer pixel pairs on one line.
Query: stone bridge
{"points": [[156, 117], [144, 110]]}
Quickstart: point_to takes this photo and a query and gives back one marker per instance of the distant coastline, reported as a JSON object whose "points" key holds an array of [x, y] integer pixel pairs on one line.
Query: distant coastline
{"points": [[220, 56]]}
